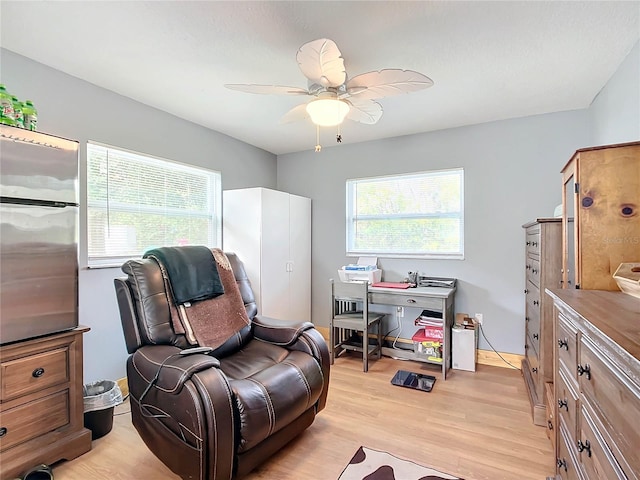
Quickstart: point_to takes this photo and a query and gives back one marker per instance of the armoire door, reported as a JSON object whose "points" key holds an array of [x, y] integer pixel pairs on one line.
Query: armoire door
{"points": [[274, 277], [299, 258]]}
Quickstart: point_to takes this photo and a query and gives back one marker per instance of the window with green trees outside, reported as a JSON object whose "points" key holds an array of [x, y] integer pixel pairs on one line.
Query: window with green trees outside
{"points": [[412, 215], [136, 202]]}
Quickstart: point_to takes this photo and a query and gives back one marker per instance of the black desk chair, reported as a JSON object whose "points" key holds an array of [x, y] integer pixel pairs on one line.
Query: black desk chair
{"points": [[352, 323]]}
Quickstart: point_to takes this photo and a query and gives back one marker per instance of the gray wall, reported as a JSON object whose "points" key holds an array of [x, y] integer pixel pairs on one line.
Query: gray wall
{"points": [[511, 177], [615, 112], [76, 109]]}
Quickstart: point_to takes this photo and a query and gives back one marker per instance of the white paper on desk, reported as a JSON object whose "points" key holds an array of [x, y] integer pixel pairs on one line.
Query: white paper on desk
{"points": [[368, 261]]}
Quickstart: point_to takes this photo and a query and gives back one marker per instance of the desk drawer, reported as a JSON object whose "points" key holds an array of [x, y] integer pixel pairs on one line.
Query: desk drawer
{"points": [[406, 300]]}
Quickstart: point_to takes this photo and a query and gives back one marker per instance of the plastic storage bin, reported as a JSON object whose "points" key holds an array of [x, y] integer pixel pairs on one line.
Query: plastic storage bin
{"points": [[427, 347]]}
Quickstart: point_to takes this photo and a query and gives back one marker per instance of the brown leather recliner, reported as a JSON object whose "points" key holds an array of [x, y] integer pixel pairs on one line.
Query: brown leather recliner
{"points": [[218, 415]]}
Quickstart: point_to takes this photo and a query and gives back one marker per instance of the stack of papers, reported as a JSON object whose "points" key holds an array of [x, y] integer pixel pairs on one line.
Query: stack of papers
{"points": [[433, 327]]}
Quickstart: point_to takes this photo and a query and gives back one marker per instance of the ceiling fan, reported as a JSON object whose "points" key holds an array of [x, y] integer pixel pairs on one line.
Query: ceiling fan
{"points": [[335, 96]]}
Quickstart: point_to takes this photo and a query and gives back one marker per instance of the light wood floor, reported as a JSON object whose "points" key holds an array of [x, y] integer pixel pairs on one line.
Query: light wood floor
{"points": [[474, 425]]}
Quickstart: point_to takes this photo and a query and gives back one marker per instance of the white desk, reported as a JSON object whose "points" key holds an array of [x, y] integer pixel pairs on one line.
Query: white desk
{"points": [[433, 298]]}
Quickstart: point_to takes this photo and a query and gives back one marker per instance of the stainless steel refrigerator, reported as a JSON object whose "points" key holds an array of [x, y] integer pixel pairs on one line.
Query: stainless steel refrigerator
{"points": [[38, 234]]}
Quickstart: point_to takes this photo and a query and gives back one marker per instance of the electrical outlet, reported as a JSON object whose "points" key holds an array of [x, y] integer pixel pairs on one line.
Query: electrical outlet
{"points": [[400, 311], [479, 318]]}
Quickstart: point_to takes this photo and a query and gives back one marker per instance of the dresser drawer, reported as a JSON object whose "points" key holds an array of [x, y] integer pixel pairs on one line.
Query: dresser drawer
{"points": [[594, 454], [533, 271], [566, 465], [533, 241], [34, 373], [552, 425], [534, 366], [567, 402], [615, 400], [567, 345], [33, 419]]}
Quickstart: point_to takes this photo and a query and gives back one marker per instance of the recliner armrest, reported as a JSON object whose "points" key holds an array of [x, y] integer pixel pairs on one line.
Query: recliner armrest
{"points": [[176, 369], [278, 332]]}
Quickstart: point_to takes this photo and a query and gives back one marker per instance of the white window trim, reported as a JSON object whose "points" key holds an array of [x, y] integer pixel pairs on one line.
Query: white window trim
{"points": [[117, 261], [436, 256]]}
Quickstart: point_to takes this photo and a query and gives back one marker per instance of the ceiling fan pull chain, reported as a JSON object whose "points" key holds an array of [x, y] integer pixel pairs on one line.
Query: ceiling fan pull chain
{"points": [[339, 135], [318, 146]]}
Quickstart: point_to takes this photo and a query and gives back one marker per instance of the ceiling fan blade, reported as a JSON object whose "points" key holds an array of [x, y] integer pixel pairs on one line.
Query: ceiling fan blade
{"points": [[386, 83], [295, 114], [322, 63], [364, 110], [267, 89]]}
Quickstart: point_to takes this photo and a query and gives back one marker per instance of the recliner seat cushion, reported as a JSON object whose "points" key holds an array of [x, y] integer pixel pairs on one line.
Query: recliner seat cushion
{"points": [[268, 383]]}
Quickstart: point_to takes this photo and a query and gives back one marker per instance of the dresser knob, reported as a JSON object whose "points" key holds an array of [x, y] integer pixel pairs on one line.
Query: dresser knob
{"points": [[536, 302], [550, 424], [534, 270], [534, 244], [534, 369], [528, 243], [562, 464], [584, 446], [3, 431], [563, 344], [38, 372], [563, 404], [526, 291], [410, 300], [536, 336], [586, 369], [526, 319]]}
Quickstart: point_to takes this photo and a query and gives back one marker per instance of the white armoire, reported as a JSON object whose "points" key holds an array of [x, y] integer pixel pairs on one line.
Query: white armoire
{"points": [[270, 231]]}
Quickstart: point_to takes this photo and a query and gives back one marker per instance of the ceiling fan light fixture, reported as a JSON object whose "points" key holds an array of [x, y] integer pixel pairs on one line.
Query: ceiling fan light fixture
{"points": [[327, 112]]}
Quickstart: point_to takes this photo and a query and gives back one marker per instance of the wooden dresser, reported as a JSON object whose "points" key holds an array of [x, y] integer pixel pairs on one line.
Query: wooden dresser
{"points": [[543, 264], [41, 402], [597, 384]]}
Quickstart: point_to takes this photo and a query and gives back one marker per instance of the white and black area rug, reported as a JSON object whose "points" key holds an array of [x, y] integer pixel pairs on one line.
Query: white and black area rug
{"points": [[368, 464]]}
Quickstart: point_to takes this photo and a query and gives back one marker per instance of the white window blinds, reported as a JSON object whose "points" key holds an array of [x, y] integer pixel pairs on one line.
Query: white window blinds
{"points": [[137, 202], [415, 215]]}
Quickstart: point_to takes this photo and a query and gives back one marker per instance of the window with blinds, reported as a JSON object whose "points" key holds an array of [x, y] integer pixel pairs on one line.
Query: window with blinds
{"points": [[136, 202], [414, 215]]}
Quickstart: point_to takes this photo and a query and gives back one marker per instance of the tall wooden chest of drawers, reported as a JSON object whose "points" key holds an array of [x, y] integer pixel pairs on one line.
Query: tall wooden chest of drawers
{"points": [[41, 402], [597, 385], [543, 259]]}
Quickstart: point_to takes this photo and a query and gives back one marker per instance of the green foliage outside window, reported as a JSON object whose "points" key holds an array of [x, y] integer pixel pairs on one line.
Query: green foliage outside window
{"points": [[414, 215], [135, 203]]}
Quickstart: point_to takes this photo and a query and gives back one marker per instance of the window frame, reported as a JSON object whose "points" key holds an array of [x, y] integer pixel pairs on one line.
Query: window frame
{"points": [[214, 193], [350, 218]]}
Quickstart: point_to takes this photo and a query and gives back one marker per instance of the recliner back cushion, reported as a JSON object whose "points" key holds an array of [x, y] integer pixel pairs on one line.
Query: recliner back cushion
{"points": [[152, 310], [150, 300]]}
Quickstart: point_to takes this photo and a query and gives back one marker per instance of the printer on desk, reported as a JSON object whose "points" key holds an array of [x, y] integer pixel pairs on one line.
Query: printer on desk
{"points": [[365, 270]]}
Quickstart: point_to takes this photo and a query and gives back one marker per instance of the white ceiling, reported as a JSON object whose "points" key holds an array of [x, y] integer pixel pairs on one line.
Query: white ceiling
{"points": [[489, 60]]}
